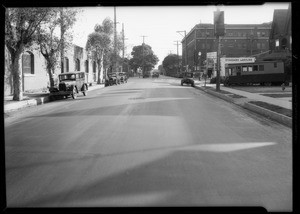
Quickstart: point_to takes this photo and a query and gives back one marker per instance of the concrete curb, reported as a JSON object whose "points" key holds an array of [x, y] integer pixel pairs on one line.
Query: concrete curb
{"points": [[269, 114], [254, 108], [36, 101]]}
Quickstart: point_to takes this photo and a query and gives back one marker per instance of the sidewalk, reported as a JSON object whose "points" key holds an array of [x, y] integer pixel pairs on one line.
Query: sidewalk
{"points": [[246, 100], [33, 99]]}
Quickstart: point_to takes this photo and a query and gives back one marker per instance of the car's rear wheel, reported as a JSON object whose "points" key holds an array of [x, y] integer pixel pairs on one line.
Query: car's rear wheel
{"points": [[74, 93]]}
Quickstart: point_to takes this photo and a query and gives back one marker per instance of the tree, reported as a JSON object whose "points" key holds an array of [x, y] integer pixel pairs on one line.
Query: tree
{"points": [[171, 64], [143, 57], [50, 45], [20, 29], [99, 42], [66, 20]]}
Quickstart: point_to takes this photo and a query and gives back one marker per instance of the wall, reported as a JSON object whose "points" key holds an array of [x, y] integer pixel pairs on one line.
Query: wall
{"points": [[39, 80]]}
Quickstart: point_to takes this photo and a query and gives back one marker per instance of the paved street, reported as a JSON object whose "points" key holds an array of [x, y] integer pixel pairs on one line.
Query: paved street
{"points": [[149, 142]]}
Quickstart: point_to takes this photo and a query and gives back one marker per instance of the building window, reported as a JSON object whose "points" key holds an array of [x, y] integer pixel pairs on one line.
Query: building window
{"points": [[255, 67], [263, 46], [258, 34], [66, 64], [244, 68], [261, 68], [77, 65], [283, 43], [28, 63], [258, 45], [86, 66], [250, 68], [94, 67], [263, 34]]}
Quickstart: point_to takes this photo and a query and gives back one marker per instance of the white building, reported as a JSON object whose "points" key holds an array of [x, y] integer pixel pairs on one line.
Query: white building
{"points": [[34, 72]]}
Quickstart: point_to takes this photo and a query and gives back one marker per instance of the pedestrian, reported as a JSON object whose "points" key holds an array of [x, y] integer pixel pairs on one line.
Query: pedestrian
{"points": [[283, 86]]}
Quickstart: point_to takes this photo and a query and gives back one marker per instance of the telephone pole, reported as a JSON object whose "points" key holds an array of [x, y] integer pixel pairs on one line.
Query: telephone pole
{"points": [[123, 39], [177, 44], [143, 54], [115, 42], [186, 50], [219, 29]]}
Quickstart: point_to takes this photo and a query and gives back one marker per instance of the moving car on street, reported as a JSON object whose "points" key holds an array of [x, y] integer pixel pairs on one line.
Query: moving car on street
{"points": [[70, 84], [122, 77], [188, 79]]}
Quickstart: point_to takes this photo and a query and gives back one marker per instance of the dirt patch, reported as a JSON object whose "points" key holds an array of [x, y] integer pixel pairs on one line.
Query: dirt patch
{"points": [[262, 89], [277, 95], [214, 89], [236, 96], [277, 109]]}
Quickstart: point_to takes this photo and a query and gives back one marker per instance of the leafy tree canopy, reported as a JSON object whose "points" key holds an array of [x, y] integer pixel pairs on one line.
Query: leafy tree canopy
{"points": [[143, 56]]}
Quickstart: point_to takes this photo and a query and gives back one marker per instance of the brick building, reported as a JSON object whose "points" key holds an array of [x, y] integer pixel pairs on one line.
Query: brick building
{"points": [[240, 40], [280, 35]]}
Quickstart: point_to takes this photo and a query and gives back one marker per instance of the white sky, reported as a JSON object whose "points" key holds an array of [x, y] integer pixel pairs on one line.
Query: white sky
{"points": [[159, 24]]}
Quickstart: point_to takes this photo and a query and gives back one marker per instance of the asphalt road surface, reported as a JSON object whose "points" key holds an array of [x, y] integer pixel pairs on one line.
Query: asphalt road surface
{"points": [[149, 142]]}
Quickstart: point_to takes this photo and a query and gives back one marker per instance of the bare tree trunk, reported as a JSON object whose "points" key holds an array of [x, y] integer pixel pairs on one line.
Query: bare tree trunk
{"points": [[100, 61], [99, 71], [51, 79], [62, 41], [17, 77]]}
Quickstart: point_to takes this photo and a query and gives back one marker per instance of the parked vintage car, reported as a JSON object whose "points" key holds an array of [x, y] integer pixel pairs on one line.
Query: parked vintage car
{"points": [[111, 79], [188, 79], [70, 84], [155, 74]]}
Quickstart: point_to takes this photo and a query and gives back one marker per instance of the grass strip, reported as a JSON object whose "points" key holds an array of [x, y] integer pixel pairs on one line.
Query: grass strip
{"points": [[277, 109]]}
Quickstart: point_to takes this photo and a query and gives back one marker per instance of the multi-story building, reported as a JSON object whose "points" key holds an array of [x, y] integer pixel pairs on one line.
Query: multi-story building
{"points": [[240, 40], [280, 35]]}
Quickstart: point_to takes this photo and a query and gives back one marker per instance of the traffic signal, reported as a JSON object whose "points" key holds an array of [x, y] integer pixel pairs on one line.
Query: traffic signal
{"points": [[219, 23]]}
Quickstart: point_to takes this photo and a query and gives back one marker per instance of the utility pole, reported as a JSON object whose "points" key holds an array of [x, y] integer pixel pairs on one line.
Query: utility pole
{"points": [[115, 42], [219, 31], [178, 55], [143, 72], [123, 38], [186, 50]]}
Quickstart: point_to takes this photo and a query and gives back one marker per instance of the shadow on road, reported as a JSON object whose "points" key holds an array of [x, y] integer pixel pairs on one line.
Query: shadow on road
{"points": [[180, 178]]}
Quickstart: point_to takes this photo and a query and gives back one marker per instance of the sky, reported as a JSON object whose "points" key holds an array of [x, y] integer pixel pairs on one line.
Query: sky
{"points": [[159, 24]]}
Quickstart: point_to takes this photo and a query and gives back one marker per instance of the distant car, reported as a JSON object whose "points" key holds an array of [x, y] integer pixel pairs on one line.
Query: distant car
{"points": [[155, 74], [122, 77], [188, 79], [146, 75], [111, 79], [70, 84]]}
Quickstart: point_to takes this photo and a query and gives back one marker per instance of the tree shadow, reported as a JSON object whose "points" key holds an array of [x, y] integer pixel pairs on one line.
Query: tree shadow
{"points": [[180, 178]]}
